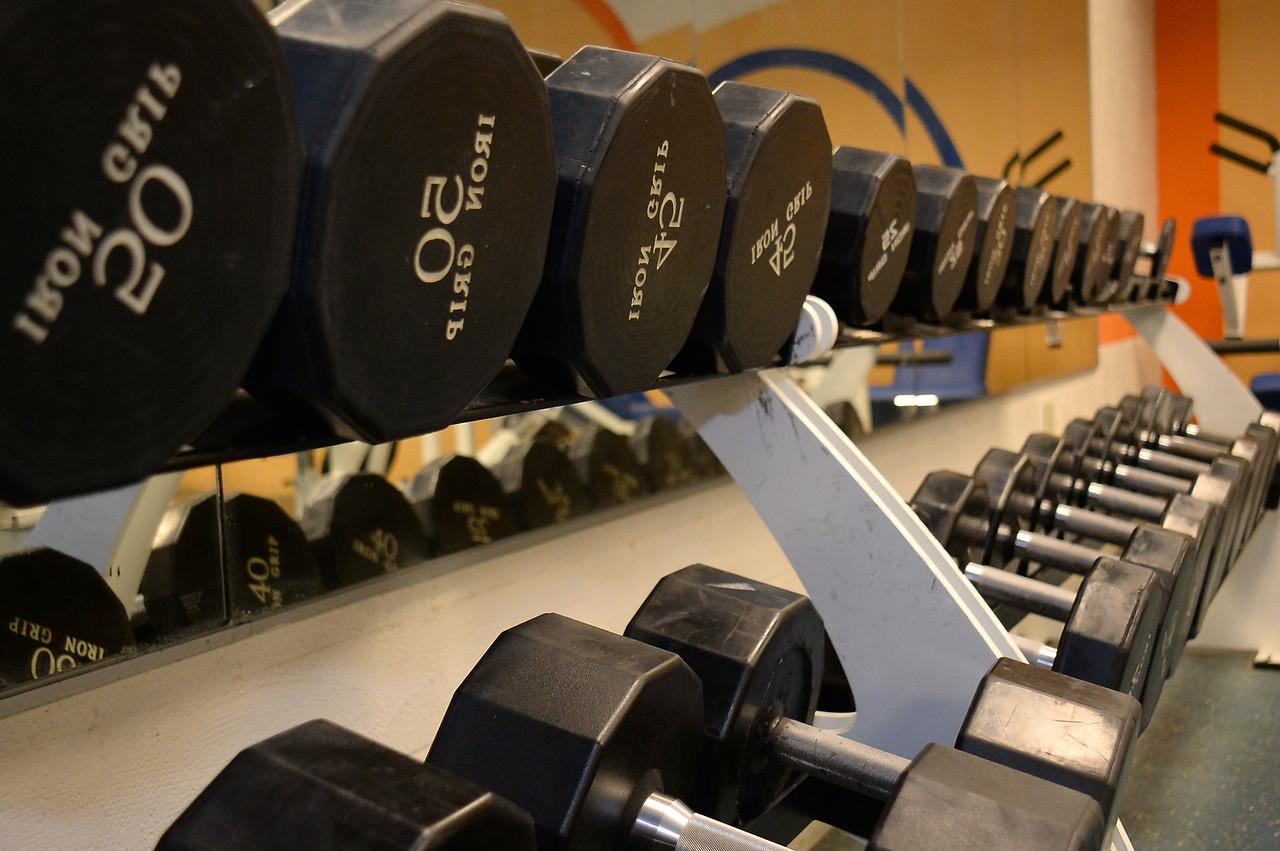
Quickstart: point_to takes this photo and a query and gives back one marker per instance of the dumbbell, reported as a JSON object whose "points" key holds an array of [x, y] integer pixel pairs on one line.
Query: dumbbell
{"points": [[1115, 625], [1167, 418], [758, 650], [778, 154], [1056, 292], [1129, 247], [136, 278], [1018, 484], [1148, 421], [1154, 258], [1035, 224], [943, 245], [640, 202], [425, 214], [461, 504], [1196, 517], [1180, 423], [1158, 473], [360, 526], [1091, 269], [599, 736], [869, 234], [993, 245], [321, 787], [1107, 283], [198, 576], [1107, 438]]}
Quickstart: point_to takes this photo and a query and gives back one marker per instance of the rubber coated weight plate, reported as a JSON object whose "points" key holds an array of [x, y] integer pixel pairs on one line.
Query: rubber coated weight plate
{"points": [[614, 472], [640, 151], [425, 213], [268, 564], [1035, 225], [778, 155], [993, 244], [1066, 247], [138, 280], [461, 504], [58, 614], [869, 234], [943, 245], [1091, 268], [361, 526]]}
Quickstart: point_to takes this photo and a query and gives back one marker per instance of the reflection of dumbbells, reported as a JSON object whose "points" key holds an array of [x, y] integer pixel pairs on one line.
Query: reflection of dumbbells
{"points": [[637, 714], [361, 526], [198, 577], [461, 503], [1117, 626], [759, 649], [1020, 484], [324, 788]]}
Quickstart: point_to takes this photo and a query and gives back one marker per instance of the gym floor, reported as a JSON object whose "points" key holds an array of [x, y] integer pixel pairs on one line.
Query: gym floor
{"points": [[1207, 771]]}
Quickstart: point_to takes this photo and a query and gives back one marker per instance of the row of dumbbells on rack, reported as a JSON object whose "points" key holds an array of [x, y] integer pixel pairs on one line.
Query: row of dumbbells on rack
{"points": [[447, 210], [685, 732], [1148, 510], [216, 561]]}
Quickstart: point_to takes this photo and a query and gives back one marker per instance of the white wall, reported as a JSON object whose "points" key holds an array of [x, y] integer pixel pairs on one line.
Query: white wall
{"points": [[111, 767], [1122, 92]]}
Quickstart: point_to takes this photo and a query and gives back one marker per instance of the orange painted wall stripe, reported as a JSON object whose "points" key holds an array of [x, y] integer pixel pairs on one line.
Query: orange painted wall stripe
{"points": [[1187, 176], [603, 14]]}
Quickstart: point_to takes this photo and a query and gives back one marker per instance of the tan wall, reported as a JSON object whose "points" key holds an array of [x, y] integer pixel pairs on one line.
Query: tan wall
{"points": [[1248, 71]]}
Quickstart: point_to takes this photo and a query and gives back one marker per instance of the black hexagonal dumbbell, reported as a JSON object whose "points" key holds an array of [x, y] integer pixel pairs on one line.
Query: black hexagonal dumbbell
{"points": [[869, 233], [1128, 249], [425, 214], [943, 246], [993, 248], [136, 277], [1118, 628], [759, 652], [325, 788], [609, 464], [1094, 256], [639, 207], [361, 526], [1172, 507], [194, 572], [666, 453], [461, 504], [1019, 481], [598, 736], [1057, 289], [778, 155], [1035, 225]]}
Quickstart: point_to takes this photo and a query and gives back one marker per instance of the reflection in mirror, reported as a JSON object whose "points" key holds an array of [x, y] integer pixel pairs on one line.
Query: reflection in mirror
{"points": [[107, 577]]}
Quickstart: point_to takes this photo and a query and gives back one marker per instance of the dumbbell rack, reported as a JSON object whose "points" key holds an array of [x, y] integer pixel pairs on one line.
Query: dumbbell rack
{"points": [[909, 630]]}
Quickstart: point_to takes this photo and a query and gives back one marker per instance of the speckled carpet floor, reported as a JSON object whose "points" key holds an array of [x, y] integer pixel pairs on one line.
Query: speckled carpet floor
{"points": [[1207, 772]]}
